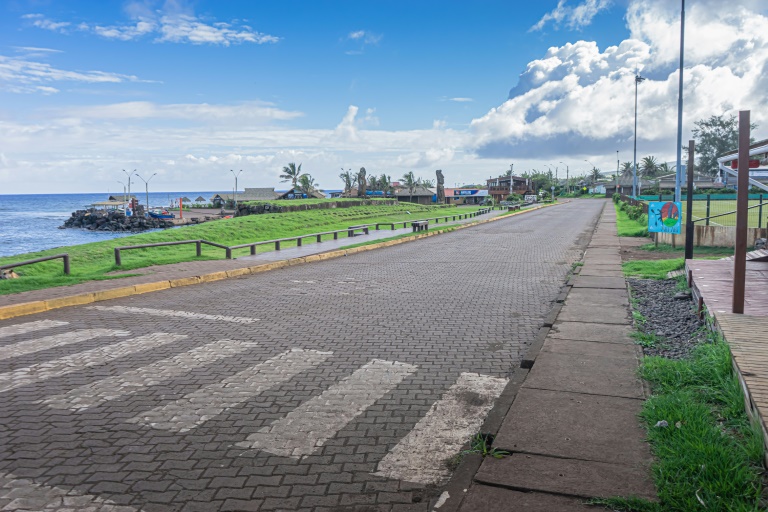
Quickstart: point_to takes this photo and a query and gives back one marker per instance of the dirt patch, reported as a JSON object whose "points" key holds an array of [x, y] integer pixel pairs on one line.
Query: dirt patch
{"points": [[630, 250]]}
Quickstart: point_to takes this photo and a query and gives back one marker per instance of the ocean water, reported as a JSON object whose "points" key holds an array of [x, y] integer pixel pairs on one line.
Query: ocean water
{"points": [[30, 222]]}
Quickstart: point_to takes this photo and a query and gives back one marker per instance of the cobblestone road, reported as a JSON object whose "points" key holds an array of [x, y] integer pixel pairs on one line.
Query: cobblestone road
{"points": [[342, 385]]}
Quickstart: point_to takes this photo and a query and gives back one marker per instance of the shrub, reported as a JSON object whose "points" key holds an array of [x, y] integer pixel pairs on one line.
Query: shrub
{"points": [[616, 198]]}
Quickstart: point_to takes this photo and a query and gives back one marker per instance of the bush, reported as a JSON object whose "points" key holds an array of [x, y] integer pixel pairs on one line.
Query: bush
{"points": [[514, 198], [616, 198]]}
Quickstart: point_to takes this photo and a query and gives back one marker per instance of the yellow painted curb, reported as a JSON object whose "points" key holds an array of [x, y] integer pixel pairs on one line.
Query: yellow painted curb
{"points": [[25, 308], [71, 300], [30, 308], [152, 287], [184, 281], [114, 293]]}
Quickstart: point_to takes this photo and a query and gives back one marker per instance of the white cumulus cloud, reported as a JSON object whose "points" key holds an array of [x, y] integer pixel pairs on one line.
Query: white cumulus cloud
{"points": [[576, 17]]}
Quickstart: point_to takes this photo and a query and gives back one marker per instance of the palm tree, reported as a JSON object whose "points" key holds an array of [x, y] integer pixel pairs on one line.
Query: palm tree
{"points": [[663, 169], [428, 183], [291, 173], [349, 179], [649, 166], [307, 184], [595, 175], [626, 170], [410, 182], [373, 182], [384, 183]]}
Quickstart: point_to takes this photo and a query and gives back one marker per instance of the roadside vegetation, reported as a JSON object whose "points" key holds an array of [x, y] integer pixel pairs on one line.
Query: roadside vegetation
{"points": [[630, 220], [708, 453], [95, 261]]}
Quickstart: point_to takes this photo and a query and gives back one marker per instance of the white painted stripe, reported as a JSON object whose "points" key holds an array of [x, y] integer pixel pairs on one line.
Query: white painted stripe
{"points": [[171, 312], [23, 494], [199, 406], [309, 426], [13, 330], [72, 363], [133, 381], [59, 340], [451, 421]]}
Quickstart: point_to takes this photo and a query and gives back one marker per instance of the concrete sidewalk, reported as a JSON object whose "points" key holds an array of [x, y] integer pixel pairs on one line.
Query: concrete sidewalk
{"points": [[572, 429], [190, 269]]}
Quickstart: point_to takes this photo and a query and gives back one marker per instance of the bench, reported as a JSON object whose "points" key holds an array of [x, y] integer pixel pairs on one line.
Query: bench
{"points": [[513, 207], [420, 225], [351, 230]]}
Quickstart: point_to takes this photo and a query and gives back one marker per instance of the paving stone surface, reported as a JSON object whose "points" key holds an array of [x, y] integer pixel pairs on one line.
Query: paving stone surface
{"points": [[592, 374], [590, 348], [599, 282], [90, 425], [494, 499], [574, 425], [569, 477], [596, 297], [575, 312], [591, 332]]}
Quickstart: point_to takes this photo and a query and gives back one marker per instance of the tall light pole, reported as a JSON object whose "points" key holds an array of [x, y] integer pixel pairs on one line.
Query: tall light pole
{"points": [[567, 178], [678, 169], [638, 79], [123, 184], [617, 172], [234, 196], [146, 189], [129, 182]]}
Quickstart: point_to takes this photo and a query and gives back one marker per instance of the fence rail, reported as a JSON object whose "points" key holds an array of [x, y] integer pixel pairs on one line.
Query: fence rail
{"points": [[707, 207], [63, 256], [350, 231]]}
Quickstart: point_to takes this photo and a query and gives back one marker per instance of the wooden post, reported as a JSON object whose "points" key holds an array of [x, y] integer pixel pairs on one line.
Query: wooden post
{"points": [[760, 213], [709, 199], [199, 247], [66, 264], [118, 261], [181, 210], [742, 203], [689, 206]]}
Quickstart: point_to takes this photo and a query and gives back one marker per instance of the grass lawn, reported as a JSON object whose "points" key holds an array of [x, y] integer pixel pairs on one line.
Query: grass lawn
{"points": [[698, 252], [628, 227], [95, 260], [717, 207], [709, 455], [656, 269]]}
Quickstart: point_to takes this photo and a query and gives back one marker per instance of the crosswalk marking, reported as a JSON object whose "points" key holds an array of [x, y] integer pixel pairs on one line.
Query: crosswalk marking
{"points": [[23, 494], [72, 363], [420, 456], [172, 312], [58, 340], [132, 381], [199, 406], [310, 425], [13, 330]]}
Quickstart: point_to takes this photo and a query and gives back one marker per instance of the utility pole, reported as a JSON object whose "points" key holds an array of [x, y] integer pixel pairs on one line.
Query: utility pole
{"points": [[129, 183], [638, 79], [679, 169], [146, 189], [617, 172], [234, 195], [567, 178]]}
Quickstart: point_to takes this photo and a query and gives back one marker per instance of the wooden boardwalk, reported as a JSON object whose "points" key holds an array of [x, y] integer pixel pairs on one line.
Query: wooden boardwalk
{"points": [[747, 334]]}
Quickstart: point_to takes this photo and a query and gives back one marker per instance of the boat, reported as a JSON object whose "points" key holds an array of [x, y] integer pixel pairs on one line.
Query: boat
{"points": [[161, 214]]}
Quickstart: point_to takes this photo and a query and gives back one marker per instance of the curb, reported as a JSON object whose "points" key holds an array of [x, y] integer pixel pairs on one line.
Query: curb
{"points": [[40, 306]]}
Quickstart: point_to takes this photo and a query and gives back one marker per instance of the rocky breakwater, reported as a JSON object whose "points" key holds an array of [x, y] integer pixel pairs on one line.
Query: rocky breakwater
{"points": [[99, 220], [244, 209]]}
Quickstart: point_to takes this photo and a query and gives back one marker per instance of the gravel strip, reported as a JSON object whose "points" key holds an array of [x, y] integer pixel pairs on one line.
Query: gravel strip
{"points": [[673, 321]]}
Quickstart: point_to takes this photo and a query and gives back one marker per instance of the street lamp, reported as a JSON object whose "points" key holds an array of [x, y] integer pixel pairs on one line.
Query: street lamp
{"points": [[129, 182], [567, 178], [638, 79], [146, 189], [679, 168], [617, 172], [234, 196], [123, 184]]}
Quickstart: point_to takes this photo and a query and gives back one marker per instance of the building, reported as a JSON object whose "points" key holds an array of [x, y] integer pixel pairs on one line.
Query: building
{"points": [[297, 193], [624, 185], [465, 195], [758, 165], [420, 195], [700, 181], [499, 188], [249, 194]]}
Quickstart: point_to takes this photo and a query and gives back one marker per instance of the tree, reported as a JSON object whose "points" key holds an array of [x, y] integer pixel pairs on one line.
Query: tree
{"points": [[349, 179], [594, 175], [373, 182], [307, 184], [663, 169], [715, 136], [384, 183], [410, 182], [291, 173], [648, 166], [427, 183], [626, 170]]}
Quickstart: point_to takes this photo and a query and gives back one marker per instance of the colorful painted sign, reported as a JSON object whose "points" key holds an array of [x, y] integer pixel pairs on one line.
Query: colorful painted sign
{"points": [[665, 217]]}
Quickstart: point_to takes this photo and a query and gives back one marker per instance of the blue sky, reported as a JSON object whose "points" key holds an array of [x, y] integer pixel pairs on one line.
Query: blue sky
{"points": [[192, 89]]}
